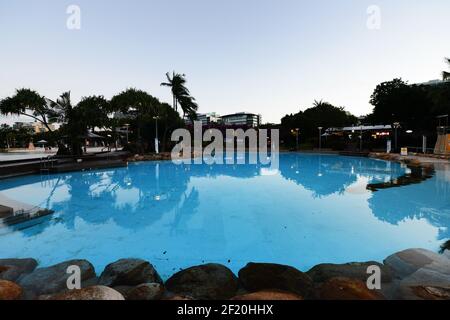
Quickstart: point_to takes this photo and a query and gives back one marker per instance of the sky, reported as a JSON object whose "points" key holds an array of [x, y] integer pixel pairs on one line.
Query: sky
{"points": [[271, 57]]}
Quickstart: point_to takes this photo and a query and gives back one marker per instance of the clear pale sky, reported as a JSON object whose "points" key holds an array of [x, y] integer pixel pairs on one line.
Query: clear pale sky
{"points": [[271, 57]]}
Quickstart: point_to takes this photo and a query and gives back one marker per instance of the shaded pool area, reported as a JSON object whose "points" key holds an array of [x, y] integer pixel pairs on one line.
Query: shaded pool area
{"points": [[314, 209]]}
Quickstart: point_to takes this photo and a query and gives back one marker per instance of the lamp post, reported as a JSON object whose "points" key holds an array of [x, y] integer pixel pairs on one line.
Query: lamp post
{"points": [[156, 135], [296, 134], [396, 127], [127, 126], [320, 138]]}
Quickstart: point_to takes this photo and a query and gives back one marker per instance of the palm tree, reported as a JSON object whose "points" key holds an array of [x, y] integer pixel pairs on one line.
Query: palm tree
{"points": [[180, 94], [74, 123], [445, 74]]}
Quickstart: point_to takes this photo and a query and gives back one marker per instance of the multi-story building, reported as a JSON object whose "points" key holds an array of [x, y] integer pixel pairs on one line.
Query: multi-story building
{"points": [[206, 118], [242, 119]]}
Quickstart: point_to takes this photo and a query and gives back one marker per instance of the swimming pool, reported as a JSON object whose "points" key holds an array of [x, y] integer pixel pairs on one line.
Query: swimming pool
{"points": [[314, 209]]}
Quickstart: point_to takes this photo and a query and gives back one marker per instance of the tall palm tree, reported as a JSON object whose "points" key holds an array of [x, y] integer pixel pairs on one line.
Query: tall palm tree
{"points": [[445, 74], [181, 94]]}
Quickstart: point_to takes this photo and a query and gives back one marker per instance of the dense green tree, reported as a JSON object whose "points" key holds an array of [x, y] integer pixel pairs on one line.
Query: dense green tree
{"points": [[322, 114], [136, 105], [95, 110], [396, 101], [28, 103]]}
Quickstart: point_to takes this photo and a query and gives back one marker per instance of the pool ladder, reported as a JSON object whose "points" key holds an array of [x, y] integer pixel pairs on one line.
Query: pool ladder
{"points": [[46, 164]]}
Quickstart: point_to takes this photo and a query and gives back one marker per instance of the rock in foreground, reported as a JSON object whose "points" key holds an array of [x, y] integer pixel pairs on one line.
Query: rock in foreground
{"points": [[262, 276], [355, 270], [268, 295], [205, 282], [346, 289], [90, 293], [146, 291], [9, 290], [12, 269], [129, 272], [53, 279]]}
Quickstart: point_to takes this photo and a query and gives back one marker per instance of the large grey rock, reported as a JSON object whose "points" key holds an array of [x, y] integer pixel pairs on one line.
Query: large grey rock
{"points": [[417, 270], [12, 269], [89, 293], [146, 291], [354, 270], [129, 272], [265, 276], [53, 279], [407, 262], [205, 282]]}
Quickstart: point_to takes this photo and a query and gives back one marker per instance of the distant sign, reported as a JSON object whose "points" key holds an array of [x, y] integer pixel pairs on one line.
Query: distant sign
{"points": [[404, 152]]}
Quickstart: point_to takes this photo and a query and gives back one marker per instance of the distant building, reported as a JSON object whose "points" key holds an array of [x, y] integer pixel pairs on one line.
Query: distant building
{"points": [[436, 82], [206, 119], [36, 127], [242, 119]]}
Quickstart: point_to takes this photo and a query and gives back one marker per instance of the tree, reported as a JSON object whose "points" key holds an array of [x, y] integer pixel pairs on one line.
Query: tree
{"points": [[322, 114], [445, 74], [95, 110], [396, 101], [28, 103], [74, 124], [136, 106], [180, 94]]}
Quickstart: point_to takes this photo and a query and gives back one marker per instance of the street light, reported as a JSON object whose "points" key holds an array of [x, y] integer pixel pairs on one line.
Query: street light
{"points": [[156, 135], [320, 138], [296, 133], [127, 126], [396, 127]]}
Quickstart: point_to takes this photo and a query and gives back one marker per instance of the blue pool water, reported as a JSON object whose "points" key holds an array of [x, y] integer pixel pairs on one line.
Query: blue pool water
{"points": [[314, 209]]}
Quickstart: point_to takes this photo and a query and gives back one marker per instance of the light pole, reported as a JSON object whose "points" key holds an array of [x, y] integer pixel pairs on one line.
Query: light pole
{"points": [[320, 138], [396, 127], [127, 126], [296, 134], [156, 135]]}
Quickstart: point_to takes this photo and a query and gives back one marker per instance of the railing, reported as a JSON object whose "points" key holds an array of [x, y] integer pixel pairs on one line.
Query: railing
{"points": [[46, 163]]}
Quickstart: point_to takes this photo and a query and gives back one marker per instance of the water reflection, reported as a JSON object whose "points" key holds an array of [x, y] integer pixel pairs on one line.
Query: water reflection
{"points": [[144, 194]]}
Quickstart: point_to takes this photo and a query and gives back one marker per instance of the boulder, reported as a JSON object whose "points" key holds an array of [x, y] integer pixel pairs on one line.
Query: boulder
{"points": [[12, 269], [415, 269], [53, 279], [268, 295], [205, 282], [405, 263], [129, 272], [346, 289], [146, 291], [354, 270], [89, 293], [9, 290], [431, 293], [261, 276]]}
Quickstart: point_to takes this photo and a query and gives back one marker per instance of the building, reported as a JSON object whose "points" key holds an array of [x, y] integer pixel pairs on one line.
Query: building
{"points": [[36, 127], [242, 119], [206, 118]]}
